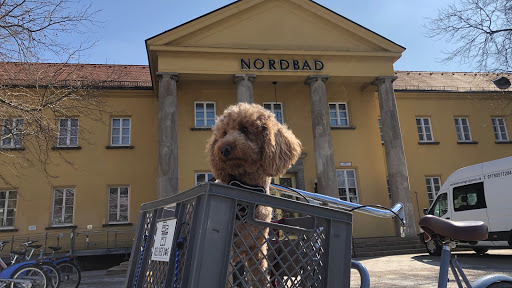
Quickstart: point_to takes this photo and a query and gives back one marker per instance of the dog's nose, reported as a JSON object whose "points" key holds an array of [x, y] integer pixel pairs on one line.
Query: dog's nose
{"points": [[226, 150]]}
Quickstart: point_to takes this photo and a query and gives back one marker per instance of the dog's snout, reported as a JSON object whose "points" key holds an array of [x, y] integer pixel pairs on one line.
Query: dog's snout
{"points": [[226, 150]]}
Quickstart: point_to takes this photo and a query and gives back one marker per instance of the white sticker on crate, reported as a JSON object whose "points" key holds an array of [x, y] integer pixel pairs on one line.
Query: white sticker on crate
{"points": [[163, 240]]}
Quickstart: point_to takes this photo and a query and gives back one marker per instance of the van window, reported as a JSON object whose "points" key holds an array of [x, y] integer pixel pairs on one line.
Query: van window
{"points": [[440, 207], [469, 197]]}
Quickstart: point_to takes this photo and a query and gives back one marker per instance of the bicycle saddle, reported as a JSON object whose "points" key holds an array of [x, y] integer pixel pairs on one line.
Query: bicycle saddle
{"points": [[55, 248], [34, 246], [461, 230]]}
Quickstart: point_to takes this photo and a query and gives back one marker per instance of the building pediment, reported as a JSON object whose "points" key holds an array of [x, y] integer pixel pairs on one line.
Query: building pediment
{"points": [[277, 25]]}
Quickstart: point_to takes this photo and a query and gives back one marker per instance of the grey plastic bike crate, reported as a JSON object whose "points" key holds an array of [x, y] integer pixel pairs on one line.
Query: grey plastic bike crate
{"points": [[213, 242]]}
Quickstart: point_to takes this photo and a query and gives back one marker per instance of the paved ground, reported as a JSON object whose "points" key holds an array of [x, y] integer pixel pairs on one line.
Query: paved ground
{"points": [[413, 270], [421, 270]]}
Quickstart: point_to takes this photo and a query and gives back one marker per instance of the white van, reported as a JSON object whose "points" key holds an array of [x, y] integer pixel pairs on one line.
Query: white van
{"points": [[480, 192]]}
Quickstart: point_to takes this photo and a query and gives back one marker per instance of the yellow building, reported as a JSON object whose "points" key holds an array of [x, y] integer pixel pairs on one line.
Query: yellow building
{"points": [[322, 75]]}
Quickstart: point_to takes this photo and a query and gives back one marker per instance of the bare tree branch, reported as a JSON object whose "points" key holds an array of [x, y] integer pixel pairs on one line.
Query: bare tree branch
{"points": [[481, 31]]}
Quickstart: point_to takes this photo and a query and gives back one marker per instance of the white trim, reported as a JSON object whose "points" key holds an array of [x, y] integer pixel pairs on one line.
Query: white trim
{"points": [[423, 132], [118, 206], [272, 109], [347, 187], [432, 187], [13, 122], [6, 209], [202, 173], [63, 214], [205, 118], [461, 129], [121, 131], [68, 132], [338, 119], [500, 138]]}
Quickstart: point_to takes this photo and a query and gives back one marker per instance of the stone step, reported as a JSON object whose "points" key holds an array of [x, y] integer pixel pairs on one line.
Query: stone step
{"points": [[384, 246]]}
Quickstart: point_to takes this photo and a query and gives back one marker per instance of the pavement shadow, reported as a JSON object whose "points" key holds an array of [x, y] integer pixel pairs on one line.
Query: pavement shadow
{"points": [[471, 260]]}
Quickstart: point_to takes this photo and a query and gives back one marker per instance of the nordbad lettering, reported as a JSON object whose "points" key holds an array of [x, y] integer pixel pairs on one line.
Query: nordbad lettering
{"points": [[281, 65]]}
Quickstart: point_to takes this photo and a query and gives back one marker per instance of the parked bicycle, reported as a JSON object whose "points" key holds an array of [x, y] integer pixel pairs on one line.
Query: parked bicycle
{"points": [[24, 274], [65, 273]]}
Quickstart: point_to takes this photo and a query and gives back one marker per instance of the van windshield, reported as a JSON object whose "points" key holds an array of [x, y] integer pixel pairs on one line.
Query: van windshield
{"points": [[440, 207]]}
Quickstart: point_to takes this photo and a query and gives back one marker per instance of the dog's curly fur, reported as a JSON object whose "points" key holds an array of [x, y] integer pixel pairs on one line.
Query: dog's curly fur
{"points": [[250, 146]]}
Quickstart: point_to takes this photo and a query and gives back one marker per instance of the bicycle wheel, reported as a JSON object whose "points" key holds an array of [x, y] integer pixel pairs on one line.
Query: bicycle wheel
{"points": [[70, 275], [52, 271], [34, 274]]}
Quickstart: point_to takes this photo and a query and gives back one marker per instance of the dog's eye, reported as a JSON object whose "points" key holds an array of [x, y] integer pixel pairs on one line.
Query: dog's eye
{"points": [[244, 129]]}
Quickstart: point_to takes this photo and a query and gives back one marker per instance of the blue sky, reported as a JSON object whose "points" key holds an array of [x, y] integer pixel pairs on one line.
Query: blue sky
{"points": [[127, 24]]}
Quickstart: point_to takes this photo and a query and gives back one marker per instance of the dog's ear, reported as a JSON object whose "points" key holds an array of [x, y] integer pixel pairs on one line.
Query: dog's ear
{"points": [[282, 148]]}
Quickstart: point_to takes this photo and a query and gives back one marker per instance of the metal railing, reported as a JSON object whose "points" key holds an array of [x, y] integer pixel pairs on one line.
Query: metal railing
{"points": [[76, 242]]}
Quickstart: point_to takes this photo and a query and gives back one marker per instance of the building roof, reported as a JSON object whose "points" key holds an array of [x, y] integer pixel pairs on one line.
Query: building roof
{"points": [[447, 81], [138, 77], [96, 75]]}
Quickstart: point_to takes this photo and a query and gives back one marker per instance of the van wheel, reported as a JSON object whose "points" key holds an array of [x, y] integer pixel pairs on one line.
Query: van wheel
{"points": [[480, 250], [434, 247]]}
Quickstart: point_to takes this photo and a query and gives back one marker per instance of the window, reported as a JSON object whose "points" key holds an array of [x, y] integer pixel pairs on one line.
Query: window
{"points": [[8, 201], [469, 197], [380, 130], [120, 135], [276, 108], [63, 206], [338, 114], [433, 186], [203, 177], [68, 132], [424, 129], [347, 185], [12, 132], [118, 204], [205, 114], [462, 129], [440, 207], [500, 129]]}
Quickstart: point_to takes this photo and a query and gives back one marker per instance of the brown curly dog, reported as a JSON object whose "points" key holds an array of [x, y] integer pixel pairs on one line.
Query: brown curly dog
{"points": [[249, 146]]}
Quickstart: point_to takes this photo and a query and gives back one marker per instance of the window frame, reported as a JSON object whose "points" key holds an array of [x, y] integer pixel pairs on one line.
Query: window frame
{"points": [[432, 187], [347, 185], [13, 137], [205, 112], [205, 174], [495, 120], [423, 132], [120, 131], [338, 119], [460, 127], [118, 206], [63, 213], [6, 209], [272, 109], [68, 132]]}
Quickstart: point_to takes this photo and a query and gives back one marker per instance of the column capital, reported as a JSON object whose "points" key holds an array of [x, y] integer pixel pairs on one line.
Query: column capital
{"points": [[172, 75], [315, 78], [383, 79], [241, 77]]}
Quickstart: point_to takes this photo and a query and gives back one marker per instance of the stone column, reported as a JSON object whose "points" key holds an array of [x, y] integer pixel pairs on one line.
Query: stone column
{"points": [[394, 149], [324, 155], [244, 91], [167, 135]]}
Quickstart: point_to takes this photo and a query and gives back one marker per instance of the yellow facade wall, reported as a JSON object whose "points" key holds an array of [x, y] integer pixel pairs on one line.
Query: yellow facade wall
{"points": [[94, 168]]}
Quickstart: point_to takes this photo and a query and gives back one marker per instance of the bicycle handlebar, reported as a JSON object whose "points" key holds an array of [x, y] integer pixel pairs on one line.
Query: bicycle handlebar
{"points": [[323, 200]]}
